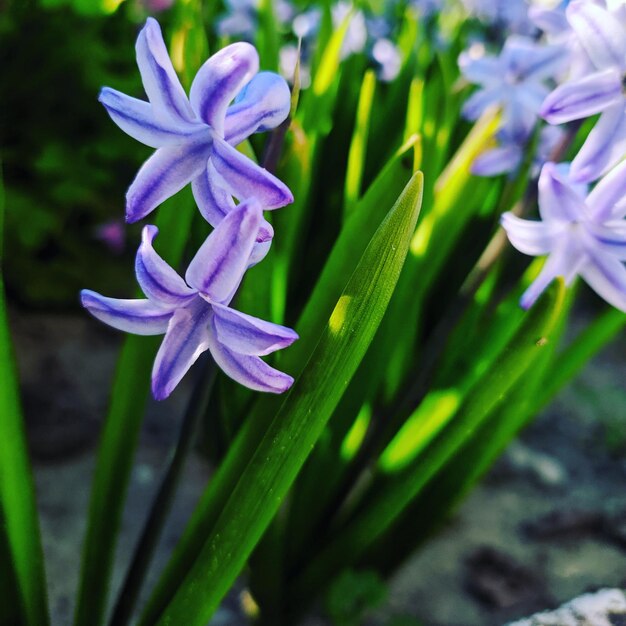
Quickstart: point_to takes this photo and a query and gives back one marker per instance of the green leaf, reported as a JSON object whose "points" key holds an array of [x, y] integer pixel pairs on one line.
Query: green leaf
{"points": [[121, 431], [396, 494], [18, 508], [255, 489]]}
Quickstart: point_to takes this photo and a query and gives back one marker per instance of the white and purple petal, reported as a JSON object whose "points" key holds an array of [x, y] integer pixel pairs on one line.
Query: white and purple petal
{"points": [[558, 200], [261, 105], [187, 337], [480, 70], [602, 36], [221, 261], [245, 334], [157, 279], [480, 100], [610, 238], [245, 179], [607, 200], [220, 79], [140, 317], [565, 260], [604, 147], [250, 371], [136, 118], [165, 173], [160, 81], [582, 98], [530, 237], [214, 202], [606, 275], [528, 60], [497, 161]]}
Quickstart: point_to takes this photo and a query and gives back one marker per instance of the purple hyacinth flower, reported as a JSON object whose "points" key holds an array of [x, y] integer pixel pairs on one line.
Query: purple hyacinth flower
{"points": [[515, 81], [602, 34], [195, 136], [582, 234], [194, 313]]}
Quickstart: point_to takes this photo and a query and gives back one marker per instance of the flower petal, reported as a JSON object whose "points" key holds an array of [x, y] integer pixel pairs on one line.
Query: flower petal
{"points": [[220, 79], [262, 104], [245, 334], [482, 70], [165, 173], [259, 251], [249, 371], [480, 100], [565, 260], [529, 237], [610, 238], [558, 200], [604, 147], [602, 36], [581, 98], [497, 161], [606, 275], [245, 179], [526, 59], [187, 337], [213, 201], [607, 199], [140, 317], [160, 81], [220, 263], [156, 278], [136, 118]]}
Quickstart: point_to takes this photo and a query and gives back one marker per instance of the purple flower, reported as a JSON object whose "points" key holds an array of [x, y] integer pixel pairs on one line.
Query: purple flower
{"points": [[515, 81], [603, 36], [194, 136], [582, 234], [509, 14], [195, 314]]}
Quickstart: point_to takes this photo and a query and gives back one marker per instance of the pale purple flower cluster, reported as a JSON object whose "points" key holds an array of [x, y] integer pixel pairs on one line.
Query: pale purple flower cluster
{"points": [[194, 139]]}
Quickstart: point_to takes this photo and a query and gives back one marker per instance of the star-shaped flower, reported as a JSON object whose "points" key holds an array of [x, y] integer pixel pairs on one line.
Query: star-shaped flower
{"points": [[195, 314], [194, 136], [515, 81], [602, 34], [582, 234]]}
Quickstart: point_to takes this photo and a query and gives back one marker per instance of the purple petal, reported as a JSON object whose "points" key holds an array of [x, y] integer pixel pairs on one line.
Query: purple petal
{"points": [[582, 98], [607, 277], [140, 317], [604, 147], [497, 161], [250, 371], [607, 199], [526, 59], [558, 200], [602, 36], [186, 339], [610, 238], [245, 334], [551, 21], [245, 179], [213, 201], [532, 238], [220, 263], [263, 104], [479, 101], [156, 278], [160, 81], [565, 260], [165, 173], [220, 79], [259, 251], [484, 70], [136, 118]]}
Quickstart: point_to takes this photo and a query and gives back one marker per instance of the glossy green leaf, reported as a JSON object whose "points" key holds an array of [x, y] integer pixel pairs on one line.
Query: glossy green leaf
{"points": [[254, 491], [18, 508], [389, 502]]}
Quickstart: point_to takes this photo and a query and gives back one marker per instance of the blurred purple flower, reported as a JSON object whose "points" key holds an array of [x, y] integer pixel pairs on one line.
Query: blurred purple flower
{"points": [[515, 81], [195, 136], [242, 17], [388, 58], [194, 313], [603, 36], [156, 6], [583, 235], [112, 234], [510, 15]]}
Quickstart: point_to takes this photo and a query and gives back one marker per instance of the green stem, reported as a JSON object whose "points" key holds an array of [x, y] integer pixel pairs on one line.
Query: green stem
{"points": [[148, 541]]}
